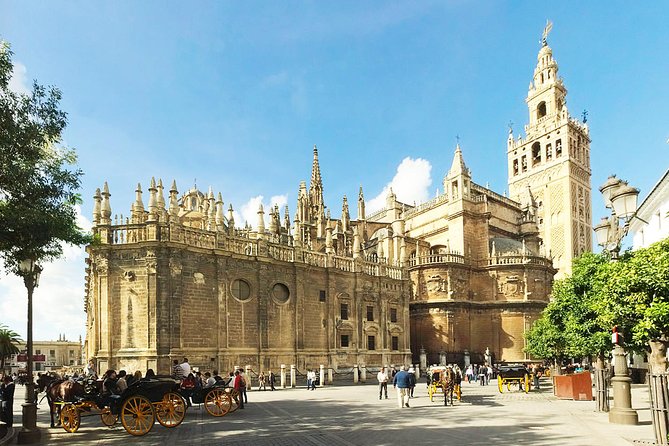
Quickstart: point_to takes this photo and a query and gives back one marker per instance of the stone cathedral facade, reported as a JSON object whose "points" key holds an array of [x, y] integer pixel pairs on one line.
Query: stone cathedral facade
{"points": [[465, 272]]}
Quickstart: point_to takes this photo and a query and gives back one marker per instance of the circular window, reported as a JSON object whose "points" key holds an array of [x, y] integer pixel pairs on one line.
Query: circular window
{"points": [[241, 290], [280, 292]]}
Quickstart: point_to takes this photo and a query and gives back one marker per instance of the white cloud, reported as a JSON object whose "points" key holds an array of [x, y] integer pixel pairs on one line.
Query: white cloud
{"points": [[249, 210], [58, 301], [411, 184], [19, 82]]}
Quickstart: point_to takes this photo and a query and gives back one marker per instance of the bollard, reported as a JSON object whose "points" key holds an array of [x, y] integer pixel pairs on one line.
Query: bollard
{"points": [[283, 376], [355, 374], [321, 375], [330, 375], [363, 373], [417, 371], [248, 377], [292, 376]]}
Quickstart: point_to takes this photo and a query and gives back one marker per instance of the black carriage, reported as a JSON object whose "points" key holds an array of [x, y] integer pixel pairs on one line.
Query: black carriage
{"points": [[513, 374], [218, 400], [138, 407]]}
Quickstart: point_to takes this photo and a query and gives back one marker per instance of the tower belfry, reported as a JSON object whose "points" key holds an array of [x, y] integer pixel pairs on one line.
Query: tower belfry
{"points": [[553, 161]]}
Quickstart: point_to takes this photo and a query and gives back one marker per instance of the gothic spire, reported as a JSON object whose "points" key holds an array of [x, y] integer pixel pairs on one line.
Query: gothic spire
{"points": [[316, 180], [361, 205], [458, 166], [174, 204]]}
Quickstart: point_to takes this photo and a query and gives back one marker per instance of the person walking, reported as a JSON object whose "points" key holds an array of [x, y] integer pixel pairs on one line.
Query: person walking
{"points": [[382, 378], [402, 384], [272, 379], [412, 381], [261, 382]]}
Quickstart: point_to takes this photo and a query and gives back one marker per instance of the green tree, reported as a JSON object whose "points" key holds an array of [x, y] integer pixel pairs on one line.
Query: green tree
{"points": [[9, 341], [38, 183], [571, 325], [636, 298]]}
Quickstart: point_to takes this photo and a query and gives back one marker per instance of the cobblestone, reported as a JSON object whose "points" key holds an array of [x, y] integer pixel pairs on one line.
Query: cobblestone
{"points": [[353, 415]]}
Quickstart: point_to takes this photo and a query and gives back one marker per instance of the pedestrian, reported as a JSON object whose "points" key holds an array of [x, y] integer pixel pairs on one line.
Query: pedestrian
{"points": [[7, 400], [412, 381], [261, 381], [309, 378], [241, 374], [239, 385], [536, 373], [402, 384], [482, 375], [90, 371], [314, 378], [382, 378], [272, 379]]}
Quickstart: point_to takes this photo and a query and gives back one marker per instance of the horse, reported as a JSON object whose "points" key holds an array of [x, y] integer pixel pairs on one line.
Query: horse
{"points": [[58, 390], [447, 383]]}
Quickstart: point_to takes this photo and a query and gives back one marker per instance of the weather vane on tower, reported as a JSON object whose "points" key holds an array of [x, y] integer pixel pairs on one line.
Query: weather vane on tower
{"points": [[547, 30]]}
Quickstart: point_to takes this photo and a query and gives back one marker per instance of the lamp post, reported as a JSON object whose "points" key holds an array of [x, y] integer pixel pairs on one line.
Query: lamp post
{"points": [[621, 199], [29, 433]]}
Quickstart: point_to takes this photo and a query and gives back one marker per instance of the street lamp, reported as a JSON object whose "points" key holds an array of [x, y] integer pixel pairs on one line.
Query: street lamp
{"points": [[29, 433], [621, 199]]}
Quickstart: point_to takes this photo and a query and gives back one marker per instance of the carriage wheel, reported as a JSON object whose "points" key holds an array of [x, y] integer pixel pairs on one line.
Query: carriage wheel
{"points": [[527, 383], [137, 415], [171, 411], [108, 418], [500, 384], [70, 418], [234, 399], [218, 403]]}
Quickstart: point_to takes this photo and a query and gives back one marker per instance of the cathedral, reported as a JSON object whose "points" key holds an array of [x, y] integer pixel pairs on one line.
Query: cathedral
{"points": [[450, 280]]}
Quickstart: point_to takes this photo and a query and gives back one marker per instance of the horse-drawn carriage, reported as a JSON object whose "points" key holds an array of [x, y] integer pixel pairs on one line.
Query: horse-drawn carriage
{"points": [[138, 407], [218, 400], [513, 375], [444, 380]]}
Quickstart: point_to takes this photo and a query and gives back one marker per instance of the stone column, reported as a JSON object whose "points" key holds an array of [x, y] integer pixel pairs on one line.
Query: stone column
{"points": [[442, 358], [330, 375], [248, 377], [292, 376], [283, 376], [417, 368], [467, 359], [622, 412], [363, 373], [321, 375], [355, 374]]}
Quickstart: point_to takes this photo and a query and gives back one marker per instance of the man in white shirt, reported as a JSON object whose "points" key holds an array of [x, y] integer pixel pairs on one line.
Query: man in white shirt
{"points": [[382, 377], [186, 367]]}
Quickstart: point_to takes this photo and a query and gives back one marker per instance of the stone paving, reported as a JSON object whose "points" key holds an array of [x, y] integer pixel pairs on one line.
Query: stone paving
{"points": [[353, 415]]}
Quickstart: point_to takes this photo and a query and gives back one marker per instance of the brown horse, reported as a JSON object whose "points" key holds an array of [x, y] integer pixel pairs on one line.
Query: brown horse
{"points": [[58, 390], [447, 383]]}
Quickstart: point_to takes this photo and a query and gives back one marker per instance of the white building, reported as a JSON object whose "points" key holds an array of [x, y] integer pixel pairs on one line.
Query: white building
{"points": [[651, 223]]}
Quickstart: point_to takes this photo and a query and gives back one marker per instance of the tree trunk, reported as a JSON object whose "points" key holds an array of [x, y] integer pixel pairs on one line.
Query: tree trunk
{"points": [[659, 394], [601, 385]]}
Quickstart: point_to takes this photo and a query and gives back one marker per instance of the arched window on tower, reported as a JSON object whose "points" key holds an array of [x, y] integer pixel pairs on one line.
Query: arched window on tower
{"points": [[536, 153], [515, 167], [558, 148], [541, 110], [549, 152]]}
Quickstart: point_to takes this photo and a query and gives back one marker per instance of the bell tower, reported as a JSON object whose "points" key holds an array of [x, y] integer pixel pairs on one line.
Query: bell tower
{"points": [[553, 160]]}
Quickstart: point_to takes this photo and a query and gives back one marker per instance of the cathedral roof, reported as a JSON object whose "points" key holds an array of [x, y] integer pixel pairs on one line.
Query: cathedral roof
{"points": [[508, 246]]}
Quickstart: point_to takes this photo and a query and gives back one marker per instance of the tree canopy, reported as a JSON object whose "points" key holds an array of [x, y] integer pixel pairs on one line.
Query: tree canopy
{"points": [[631, 293], [9, 341], [38, 177], [570, 325]]}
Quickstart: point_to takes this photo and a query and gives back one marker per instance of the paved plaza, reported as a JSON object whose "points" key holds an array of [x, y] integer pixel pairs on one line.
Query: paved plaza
{"points": [[353, 415]]}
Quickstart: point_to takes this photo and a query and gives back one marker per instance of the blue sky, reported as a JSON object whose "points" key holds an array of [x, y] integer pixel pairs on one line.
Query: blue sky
{"points": [[235, 94]]}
